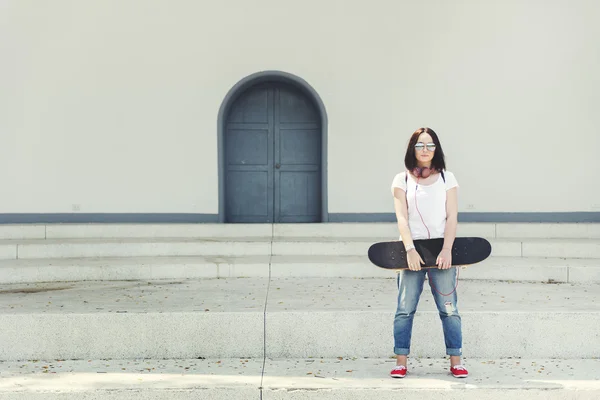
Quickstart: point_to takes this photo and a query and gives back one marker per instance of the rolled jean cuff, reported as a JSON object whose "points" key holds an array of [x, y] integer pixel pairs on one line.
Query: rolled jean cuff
{"points": [[401, 352], [454, 352]]}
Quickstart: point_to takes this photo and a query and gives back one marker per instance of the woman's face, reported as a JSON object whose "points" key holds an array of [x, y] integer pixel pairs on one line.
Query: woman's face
{"points": [[424, 148]]}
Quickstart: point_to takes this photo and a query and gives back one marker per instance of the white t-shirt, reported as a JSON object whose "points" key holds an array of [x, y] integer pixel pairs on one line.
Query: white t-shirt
{"points": [[431, 203]]}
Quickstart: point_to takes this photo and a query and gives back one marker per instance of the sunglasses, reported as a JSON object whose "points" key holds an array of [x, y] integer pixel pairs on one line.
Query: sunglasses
{"points": [[421, 146]]}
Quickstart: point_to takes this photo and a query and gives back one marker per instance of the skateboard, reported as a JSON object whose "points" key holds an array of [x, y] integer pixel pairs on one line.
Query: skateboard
{"points": [[465, 251]]}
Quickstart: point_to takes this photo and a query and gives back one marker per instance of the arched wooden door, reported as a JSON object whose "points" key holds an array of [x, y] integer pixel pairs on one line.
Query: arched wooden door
{"points": [[272, 142]]}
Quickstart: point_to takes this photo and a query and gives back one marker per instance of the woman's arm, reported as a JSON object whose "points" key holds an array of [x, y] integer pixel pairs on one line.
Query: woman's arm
{"points": [[413, 258], [401, 208], [445, 258]]}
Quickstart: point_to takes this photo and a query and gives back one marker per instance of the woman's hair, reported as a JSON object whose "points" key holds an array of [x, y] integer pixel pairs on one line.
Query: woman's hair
{"points": [[410, 160]]}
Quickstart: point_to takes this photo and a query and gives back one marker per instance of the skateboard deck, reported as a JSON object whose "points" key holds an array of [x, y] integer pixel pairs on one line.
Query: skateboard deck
{"points": [[465, 251]]}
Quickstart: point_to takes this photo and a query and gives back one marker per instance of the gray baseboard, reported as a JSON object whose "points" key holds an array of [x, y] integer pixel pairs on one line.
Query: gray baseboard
{"points": [[176, 218], [492, 217], [107, 218]]}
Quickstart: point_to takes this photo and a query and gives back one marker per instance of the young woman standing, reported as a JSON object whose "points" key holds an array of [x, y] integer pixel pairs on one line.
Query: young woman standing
{"points": [[426, 205]]}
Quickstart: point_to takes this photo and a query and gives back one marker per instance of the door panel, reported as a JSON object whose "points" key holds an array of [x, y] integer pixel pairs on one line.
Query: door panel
{"points": [[300, 196], [294, 107], [300, 147], [248, 147], [251, 107], [248, 205]]}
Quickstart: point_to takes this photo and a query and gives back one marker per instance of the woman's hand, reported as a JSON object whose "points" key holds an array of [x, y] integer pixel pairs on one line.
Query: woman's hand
{"points": [[444, 259], [414, 260]]}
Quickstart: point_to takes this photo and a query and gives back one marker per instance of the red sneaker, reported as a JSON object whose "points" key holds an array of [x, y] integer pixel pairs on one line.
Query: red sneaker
{"points": [[399, 371], [458, 371]]}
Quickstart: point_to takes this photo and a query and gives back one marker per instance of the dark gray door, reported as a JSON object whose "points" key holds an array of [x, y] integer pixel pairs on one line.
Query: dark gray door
{"points": [[273, 157]]}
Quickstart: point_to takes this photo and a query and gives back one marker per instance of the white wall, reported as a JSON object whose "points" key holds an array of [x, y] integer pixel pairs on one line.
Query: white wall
{"points": [[111, 106]]}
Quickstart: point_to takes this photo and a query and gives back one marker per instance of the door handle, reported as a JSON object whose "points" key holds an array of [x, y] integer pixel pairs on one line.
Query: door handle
{"points": [[277, 165]]}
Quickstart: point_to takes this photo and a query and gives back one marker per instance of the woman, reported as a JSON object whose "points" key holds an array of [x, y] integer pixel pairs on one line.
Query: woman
{"points": [[425, 200]]}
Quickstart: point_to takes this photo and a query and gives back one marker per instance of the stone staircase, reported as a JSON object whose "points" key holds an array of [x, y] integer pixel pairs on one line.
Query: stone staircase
{"points": [[43, 253], [286, 312]]}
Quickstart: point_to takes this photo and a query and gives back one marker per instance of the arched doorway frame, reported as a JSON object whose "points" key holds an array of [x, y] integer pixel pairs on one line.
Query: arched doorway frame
{"points": [[235, 92]]}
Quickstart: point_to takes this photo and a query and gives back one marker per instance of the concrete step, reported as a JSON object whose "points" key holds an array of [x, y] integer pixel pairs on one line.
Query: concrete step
{"points": [[386, 229], [133, 247], [563, 248], [183, 379], [535, 269], [131, 268], [353, 317], [548, 230], [143, 319], [490, 379], [150, 231], [532, 269], [303, 317], [98, 231], [297, 379], [486, 230], [249, 246]]}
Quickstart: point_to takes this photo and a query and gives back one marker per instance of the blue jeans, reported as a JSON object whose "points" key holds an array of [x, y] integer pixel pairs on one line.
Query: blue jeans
{"points": [[410, 286]]}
